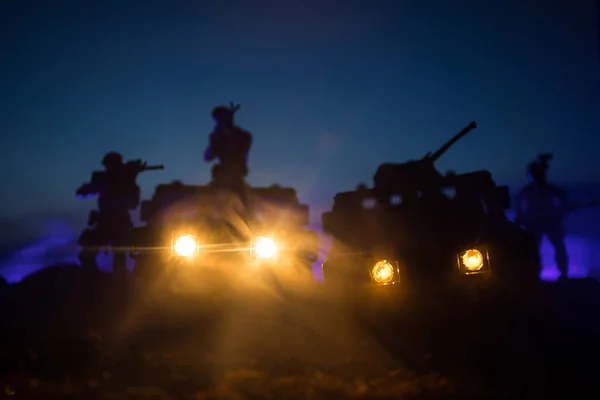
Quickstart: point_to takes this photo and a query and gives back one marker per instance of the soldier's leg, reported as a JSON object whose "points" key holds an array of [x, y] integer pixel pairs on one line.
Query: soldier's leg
{"points": [[537, 237], [243, 194], [119, 266], [235, 184], [556, 236], [531, 249], [119, 245], [232, 214], [233, 180], [90, 242], [215, 174]]}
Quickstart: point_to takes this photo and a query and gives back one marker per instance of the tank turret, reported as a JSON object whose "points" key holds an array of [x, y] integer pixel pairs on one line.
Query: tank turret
{"points": [[414, 174]]}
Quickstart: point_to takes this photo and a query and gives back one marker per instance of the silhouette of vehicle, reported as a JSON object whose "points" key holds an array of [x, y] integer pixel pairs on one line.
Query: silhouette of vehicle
{"points": [[418, 231], [189, 226]]}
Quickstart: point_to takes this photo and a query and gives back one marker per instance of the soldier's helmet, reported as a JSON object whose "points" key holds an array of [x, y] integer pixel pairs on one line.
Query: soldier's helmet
{"points": [[537, 171], [112, 159], [221, 111]]}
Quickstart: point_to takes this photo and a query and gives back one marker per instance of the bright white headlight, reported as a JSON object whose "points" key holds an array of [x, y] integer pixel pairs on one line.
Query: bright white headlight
{"points": [[185, 246], [472, 260], [383, 272], [265, 247]]}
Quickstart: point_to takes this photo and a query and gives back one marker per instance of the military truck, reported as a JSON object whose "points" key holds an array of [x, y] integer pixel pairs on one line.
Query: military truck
{"points": [[418, 229], [197, 227]]}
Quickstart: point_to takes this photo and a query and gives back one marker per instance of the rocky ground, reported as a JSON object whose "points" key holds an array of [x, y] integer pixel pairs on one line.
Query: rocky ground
{"points": [[70, 336]]}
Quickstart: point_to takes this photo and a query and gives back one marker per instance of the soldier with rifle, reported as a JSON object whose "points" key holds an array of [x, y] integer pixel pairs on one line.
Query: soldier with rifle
{"points": [[541, 208], [230, 145], [109, 225]]}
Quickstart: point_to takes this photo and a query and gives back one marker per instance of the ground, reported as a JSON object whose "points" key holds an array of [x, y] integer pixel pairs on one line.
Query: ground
{"points": [[70, 335]]}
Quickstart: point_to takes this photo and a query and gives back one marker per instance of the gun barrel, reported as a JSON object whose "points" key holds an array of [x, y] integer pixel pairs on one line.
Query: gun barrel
{"points": [[154, 167], [455, 139]]}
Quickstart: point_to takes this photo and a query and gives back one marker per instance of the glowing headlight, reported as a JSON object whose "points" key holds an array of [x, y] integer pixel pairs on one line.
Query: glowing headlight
{"points": [[265, 247], [185, 245], [472, 260], [383, 272]]}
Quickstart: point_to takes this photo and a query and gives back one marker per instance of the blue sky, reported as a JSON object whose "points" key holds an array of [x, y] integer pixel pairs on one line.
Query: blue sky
{"points": [[329, 89]]}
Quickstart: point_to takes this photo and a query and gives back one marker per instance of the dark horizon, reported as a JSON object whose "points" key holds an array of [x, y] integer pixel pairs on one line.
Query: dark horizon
{"points": [[51, 239], [579, 192]]}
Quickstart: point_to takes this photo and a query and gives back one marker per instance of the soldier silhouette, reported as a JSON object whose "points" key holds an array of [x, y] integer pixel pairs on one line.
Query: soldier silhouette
{"points": [[230, 145], [109, 225], [541, 208]]}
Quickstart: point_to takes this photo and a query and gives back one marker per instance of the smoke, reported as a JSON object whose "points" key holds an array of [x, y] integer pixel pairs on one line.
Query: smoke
{"points": [[31, 245], [55, 243]]}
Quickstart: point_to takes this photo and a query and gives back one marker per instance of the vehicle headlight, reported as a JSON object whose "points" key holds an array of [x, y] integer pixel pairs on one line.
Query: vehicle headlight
{"points": [[472, 260], [265, 247], [383, 272], [185, 245]]}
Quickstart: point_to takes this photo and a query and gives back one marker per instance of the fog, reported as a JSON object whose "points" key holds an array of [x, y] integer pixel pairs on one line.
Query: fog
{"points": [[29, 244]]}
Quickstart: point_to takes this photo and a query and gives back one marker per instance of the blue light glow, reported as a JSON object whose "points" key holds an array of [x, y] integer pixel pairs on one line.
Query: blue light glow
{"points": [[57, 243]]}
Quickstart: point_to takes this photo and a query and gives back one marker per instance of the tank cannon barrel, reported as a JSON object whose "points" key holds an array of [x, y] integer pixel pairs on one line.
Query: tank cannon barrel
{"points": [[440, 152], [415, 174]]}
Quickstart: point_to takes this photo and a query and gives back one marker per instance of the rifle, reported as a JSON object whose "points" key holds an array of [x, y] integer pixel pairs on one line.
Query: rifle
{"points": [[570, 209], [590, 204], [126, 177], [138, 166]]}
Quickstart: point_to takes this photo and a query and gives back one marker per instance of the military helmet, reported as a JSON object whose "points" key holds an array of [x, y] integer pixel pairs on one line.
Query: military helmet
{"points": [[536, 171], [112, 158], [535, 167], [220, 110], [540, 166]]}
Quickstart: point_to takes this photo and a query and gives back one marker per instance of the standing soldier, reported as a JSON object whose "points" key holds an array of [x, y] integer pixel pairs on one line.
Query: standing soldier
{"points": [[541, 208], [230, 145], [109, 225]]}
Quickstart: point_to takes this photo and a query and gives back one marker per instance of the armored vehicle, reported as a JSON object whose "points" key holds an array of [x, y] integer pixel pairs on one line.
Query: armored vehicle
{"points": [[200, 227], [418, 229]]}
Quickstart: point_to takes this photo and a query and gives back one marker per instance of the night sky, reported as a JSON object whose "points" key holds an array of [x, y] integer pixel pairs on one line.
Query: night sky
{"points": [[329, 89]]}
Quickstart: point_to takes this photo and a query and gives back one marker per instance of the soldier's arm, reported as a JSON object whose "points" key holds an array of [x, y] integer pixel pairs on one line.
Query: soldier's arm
{"points": [[563, 198], [209, 153], [249, 140], [88, 190], [245, 139]]}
